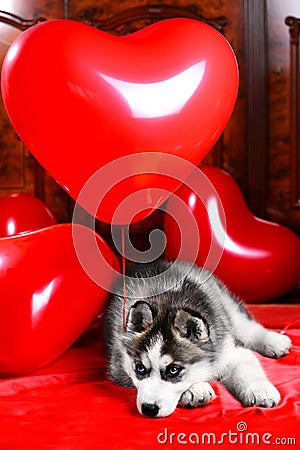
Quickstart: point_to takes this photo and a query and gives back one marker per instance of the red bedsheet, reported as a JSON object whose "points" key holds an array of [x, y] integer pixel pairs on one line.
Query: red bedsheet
{"points": [[71, 405]]}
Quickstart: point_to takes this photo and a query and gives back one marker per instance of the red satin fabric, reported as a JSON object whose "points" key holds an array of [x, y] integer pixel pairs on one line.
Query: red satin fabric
{"points": [[71, 405]]}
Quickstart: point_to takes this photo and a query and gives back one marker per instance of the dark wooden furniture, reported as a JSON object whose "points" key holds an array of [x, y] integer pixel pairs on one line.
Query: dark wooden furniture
{"points": [[260, 146]]}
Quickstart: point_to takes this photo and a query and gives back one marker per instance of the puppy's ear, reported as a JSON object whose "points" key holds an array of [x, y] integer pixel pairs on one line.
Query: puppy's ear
{"points": [[140, 317], [191, 326]]}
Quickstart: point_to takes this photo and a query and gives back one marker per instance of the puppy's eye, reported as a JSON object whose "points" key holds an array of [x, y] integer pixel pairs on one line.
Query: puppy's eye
{"points": [[173, 371], [140, 369]]}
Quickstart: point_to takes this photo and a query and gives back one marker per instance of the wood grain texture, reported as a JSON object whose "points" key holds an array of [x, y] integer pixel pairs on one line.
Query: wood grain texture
{"points": [[294, 30], [283, 168], [13, 157], [19, 171]]}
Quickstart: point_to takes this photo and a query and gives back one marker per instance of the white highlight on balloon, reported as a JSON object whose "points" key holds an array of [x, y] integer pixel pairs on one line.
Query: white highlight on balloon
{"points": [[161, 98], [222, 237]]}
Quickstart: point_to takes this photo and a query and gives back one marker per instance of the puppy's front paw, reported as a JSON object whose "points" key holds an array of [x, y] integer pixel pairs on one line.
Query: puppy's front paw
{"points": [[275, 345], [262, 394], [198, 395]]}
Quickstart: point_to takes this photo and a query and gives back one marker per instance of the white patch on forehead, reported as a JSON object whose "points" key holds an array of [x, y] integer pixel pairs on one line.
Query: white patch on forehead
{"points": [[153, 357], [166, 360]]}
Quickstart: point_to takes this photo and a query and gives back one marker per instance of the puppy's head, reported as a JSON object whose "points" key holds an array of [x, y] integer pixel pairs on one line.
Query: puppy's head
{"points": [[165, 355]]}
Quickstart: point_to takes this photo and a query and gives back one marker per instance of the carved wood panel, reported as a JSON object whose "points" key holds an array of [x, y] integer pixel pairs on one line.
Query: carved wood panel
{"points": [[283, 113], [19, 171], [294, 28], [16, 167]]}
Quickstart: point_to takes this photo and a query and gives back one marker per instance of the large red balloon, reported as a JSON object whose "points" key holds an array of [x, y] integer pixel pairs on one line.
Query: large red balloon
{"points": [[80, 99], [23, 212], [257, 259], [46, 298]]}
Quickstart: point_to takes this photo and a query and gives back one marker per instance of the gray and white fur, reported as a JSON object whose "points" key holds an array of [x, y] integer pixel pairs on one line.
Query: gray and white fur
{"points": [[184, 329]]}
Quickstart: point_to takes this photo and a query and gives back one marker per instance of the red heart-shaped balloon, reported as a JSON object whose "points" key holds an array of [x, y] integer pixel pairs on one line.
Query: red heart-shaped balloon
{"points": [[46, 298], [81, 99], [257, 259], [23, 212]]}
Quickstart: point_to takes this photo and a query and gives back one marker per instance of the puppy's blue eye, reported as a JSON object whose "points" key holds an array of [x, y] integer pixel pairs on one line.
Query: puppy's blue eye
{"points": [[140, 369], [173, 371]]}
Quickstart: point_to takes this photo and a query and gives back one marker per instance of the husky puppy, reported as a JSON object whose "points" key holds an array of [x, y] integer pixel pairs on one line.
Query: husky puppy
{"points": [[182, 330]]}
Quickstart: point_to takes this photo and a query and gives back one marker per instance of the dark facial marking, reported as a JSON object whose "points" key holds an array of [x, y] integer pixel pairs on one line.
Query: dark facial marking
{"points": [[172, 372], [141, 371]]}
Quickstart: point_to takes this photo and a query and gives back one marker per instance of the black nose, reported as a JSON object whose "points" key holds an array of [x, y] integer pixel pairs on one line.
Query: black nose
{"points": [[150, 409]]}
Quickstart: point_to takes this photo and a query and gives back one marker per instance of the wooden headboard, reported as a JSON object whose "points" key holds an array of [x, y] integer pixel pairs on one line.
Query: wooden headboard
{"points": [[19, 22], [294, 28], [138, 17]]}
